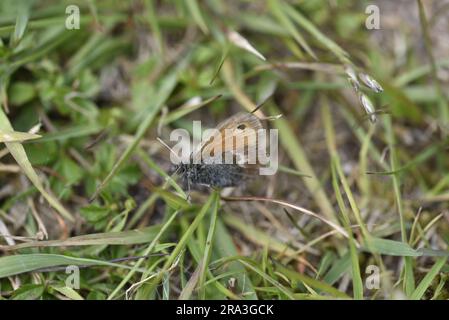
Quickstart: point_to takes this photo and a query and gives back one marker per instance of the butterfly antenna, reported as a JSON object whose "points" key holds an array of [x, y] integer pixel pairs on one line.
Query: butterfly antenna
{"points": [[170, 149], [272, 118], [260, 105]]}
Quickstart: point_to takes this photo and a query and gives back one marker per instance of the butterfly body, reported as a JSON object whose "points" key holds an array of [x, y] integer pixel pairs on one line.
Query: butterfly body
{"points": [[212, 175], [207, 167]]}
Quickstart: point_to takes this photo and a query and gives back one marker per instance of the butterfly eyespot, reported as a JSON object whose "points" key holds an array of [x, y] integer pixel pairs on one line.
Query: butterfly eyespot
{"points": [[241, 127]]}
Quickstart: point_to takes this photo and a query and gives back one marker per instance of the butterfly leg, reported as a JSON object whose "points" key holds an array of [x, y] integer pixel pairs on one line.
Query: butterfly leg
{"points": [[188, 191]]}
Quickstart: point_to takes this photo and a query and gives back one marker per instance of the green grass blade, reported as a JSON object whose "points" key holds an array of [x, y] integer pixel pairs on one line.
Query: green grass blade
{"points": [[182, 243], [208, 248], [278, 12], [427, 280], [19, 154], [341, 54], [225, 248], [294, 149], [165, 90], [357, 283], [266, 277], [195, 11], [312, 282], [409, 279], [17, 264], [147, 251]]}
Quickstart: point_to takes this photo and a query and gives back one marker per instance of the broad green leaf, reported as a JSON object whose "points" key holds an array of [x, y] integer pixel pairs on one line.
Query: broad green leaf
{"points": [[23, 9], [392, 248], [16, 136], [20, 93], [68, 292], [29, 292]]}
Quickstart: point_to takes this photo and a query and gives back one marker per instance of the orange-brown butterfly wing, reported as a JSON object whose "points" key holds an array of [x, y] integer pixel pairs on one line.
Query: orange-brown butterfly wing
{"points": [[241, 127]]}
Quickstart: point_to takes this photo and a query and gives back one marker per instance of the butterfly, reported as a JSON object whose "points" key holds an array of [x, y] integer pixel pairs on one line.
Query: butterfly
{"points": [[221, 160]]}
